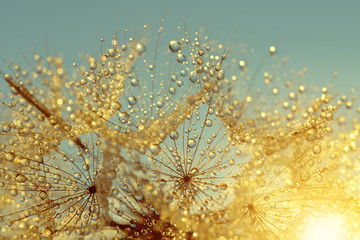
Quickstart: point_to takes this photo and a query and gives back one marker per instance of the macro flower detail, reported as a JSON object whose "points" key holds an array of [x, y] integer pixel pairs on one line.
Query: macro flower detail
{"points": [[175, 137]]}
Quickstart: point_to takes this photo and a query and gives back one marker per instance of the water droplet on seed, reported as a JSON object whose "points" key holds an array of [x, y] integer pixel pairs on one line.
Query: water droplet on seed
{"points": [[191, 143], [174, 135], [305, 175], [134, 82], [6, 128], [93, 66], [212, 155], [20, 178], [112, 52], [172, 90], [43, 195], [223, 186], [272, 50], [77, 175], [140, 48], [155, 149], [132, 100], [85, 167], [10, 157], [193, 76], [242, 64], [317, 149], [13, 192], [194, 171], [180, 58], [175, 46], [208, 123]]}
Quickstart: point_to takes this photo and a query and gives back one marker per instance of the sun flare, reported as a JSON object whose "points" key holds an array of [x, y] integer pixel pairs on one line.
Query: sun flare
{"points": [[330, 227]]}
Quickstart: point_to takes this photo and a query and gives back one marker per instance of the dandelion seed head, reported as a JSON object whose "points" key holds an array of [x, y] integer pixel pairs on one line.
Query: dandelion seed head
{"points": [[174, 137]]}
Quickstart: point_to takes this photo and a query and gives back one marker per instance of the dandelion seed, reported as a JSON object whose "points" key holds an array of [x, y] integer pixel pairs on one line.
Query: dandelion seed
{"points": [[62, 185]]}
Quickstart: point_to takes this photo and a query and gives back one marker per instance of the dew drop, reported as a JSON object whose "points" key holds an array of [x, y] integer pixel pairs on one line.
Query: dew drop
{"points": [[212, 155], [125, 187], [272, 50], [208, 123], [174, 78], [310, 135], [194, 171], [32, 187], [41, 179], [8, 77], [10, 157], [223, 186], [71, 209], [77, 175], [20, 178], [140, 48], [160, 104], [305, 175], [43, 195], [119, 212], [220, 76], [180, 83], [115, 106], [242, 64], [139, 197], [123, 117], [181, 58], [175, 46], [6, 128], [46, 233], [174, 135], [172, 90], [259, 172], [317, 149], [14, 192], [134, 82], [85, 167], [112, 52], [132, 100], [162, 182], [93, 66], [155, 149], [319, 178], [191, 143], [193, 76], [115, 192], [38, 158]]}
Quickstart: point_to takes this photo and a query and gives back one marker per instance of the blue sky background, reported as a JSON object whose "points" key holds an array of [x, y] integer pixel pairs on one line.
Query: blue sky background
{"points": [[323, 36]]}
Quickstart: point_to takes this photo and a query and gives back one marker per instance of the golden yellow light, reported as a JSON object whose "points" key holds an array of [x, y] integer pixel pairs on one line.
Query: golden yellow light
{"points": [[329, 227]]}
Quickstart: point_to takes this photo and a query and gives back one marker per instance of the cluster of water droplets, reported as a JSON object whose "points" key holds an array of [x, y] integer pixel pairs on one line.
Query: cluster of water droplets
{"points": [[177, 139]]}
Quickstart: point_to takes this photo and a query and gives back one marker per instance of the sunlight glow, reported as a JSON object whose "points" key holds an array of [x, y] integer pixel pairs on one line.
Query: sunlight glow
{"points": [[324, 227]]}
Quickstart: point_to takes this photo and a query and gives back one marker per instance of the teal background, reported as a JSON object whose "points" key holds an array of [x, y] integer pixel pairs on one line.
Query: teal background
{"points": [[323, 36]]}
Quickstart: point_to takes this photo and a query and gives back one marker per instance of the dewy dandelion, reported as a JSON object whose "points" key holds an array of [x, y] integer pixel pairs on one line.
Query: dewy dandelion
{"points": [[177, 138]]}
